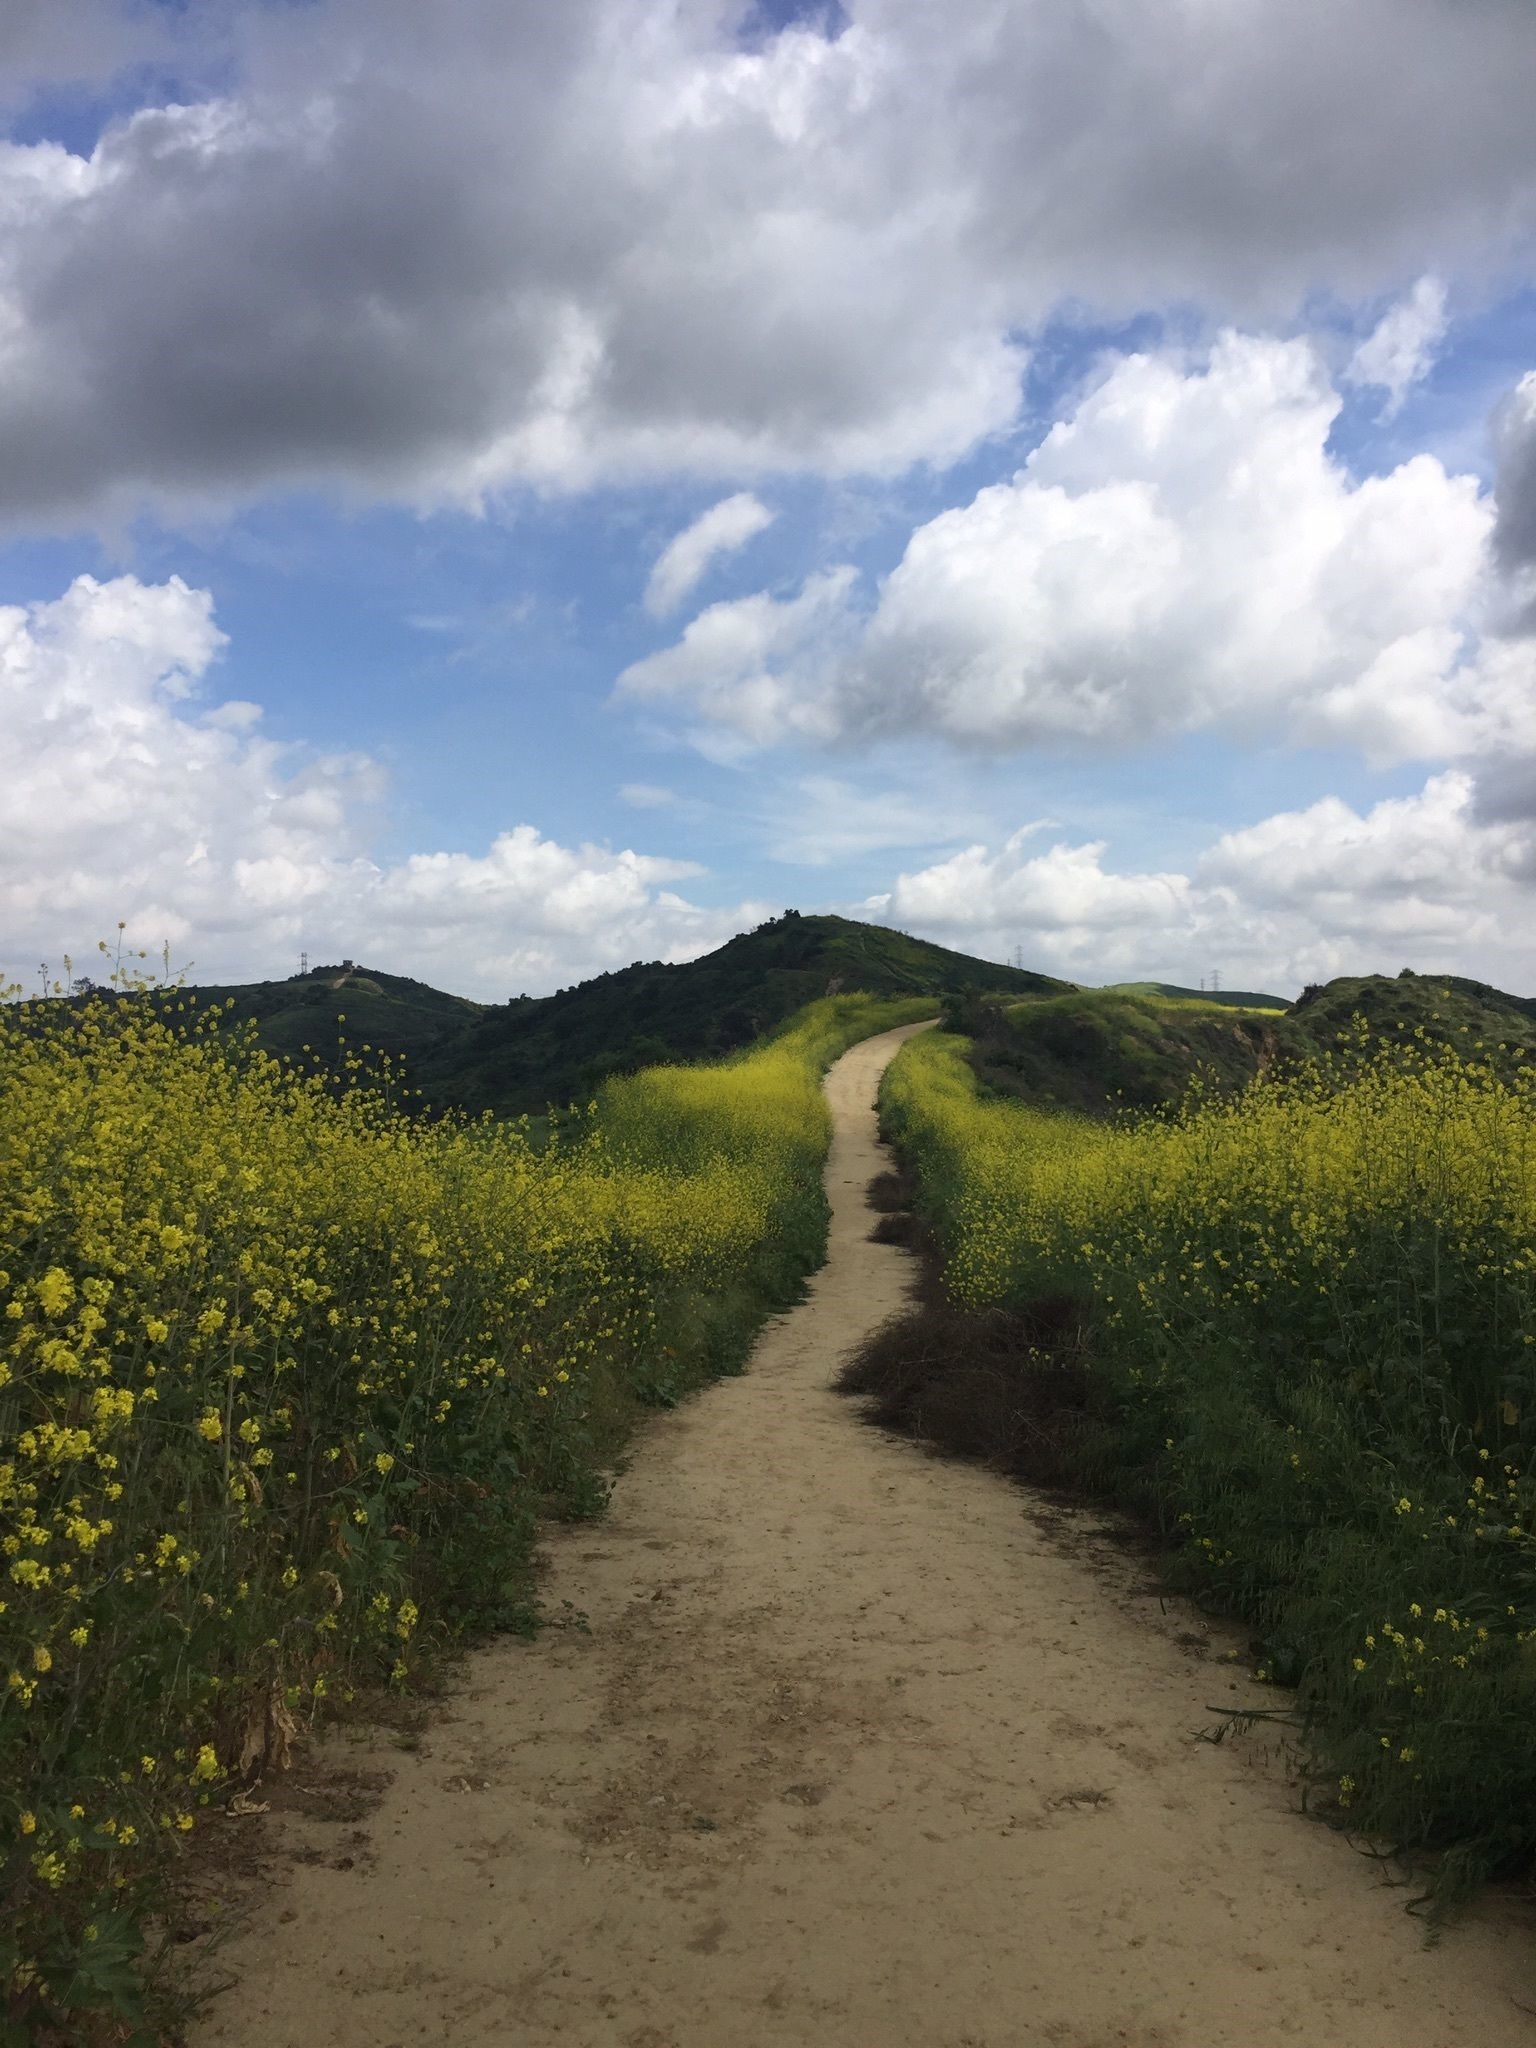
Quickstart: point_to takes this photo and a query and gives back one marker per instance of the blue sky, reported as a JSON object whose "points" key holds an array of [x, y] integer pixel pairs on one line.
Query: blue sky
{"points": [[1124, 495]]}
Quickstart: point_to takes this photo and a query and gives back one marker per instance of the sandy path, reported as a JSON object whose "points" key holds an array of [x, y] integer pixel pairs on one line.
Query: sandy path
{"points": [[855, 1754]]}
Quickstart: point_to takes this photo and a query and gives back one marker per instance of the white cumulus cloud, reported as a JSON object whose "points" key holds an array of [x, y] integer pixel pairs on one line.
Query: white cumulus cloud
{"points": [[1421, 881], [127, 796], [1184, 551]]}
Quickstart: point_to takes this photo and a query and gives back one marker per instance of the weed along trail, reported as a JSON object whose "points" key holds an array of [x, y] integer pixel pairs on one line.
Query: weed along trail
{"points": [[853, 1750]]}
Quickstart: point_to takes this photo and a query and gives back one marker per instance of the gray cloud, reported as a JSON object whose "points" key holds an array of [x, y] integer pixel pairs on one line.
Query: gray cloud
{"points": [[86, 43], [1514, 532], [433, 253]]}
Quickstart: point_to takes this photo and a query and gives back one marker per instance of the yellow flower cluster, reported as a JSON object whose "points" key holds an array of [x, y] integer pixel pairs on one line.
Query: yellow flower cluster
{"points": [[1313, 1309], [286, 1376]]}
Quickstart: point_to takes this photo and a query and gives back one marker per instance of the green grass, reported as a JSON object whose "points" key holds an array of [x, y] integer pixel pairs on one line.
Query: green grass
{"points": [[1097, 1050], [1218, 998]]}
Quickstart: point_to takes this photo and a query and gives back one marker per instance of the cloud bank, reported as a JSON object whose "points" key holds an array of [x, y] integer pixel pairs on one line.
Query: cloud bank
{"points": [[1183, 553], [436, 253], [136, 794], [1418, 881], [129, 796]]}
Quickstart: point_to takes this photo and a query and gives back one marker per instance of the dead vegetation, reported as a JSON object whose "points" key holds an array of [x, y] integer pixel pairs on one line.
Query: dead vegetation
{"points": [[1007, 1387]]}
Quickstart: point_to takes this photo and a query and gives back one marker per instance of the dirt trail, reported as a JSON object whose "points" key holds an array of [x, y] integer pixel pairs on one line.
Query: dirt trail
{"points": [[858, 1754]]}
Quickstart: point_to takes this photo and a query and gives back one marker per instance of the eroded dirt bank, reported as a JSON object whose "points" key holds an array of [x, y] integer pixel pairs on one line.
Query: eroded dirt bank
{"points": [[857, 1754]]}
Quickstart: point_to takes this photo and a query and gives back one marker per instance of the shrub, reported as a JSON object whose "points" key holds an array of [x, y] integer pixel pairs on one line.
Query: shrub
{"points": [[1314, 1312]]}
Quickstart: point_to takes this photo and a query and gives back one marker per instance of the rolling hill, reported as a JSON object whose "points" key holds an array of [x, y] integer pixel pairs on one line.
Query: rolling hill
{"points": [[520, 1056], [1141, 1044], [1224, 998], [1100, 1049]]}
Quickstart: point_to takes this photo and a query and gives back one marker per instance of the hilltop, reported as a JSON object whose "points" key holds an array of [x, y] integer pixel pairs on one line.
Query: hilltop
{"points": [[522, 1055], [1099, 1049], [1222, 998], [1445, 1007], [1141, 1044]]}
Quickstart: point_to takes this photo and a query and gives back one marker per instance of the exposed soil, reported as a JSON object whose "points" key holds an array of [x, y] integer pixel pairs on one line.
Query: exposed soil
{"points": [[860, 1748]]}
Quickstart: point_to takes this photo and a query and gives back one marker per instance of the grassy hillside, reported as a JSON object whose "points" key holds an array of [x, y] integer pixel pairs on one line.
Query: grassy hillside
{"points": [[388, 1011], [1099, 1049], [1225, 998], [1142, 1044], [1444, 1007], [524, 1054]]}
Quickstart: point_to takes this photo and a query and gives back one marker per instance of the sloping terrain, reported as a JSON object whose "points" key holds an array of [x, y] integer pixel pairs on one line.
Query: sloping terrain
{"points": [[1097, 1049], [1230, 998], [1446, 1008], [522, 1055], [1141, 1045], [389, 1012]]}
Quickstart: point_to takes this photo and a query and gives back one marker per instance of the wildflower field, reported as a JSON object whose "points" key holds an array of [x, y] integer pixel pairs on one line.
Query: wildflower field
{"points": [[1312, 1346], [287, 1378]]}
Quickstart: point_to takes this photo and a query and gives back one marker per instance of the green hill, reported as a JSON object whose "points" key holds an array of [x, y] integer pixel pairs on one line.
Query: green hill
{"points": [[388, 1012], [1444, 1007], [1224, 998], [1103, 1049], [522, 1055], [1142, 1044]]}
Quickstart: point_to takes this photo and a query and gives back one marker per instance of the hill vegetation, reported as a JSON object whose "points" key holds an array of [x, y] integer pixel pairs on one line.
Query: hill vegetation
{"points": [[1141, 1045], [1228, 998], [287, 1379], [1295, 1327], [520, 1056], [1099, 1049]]}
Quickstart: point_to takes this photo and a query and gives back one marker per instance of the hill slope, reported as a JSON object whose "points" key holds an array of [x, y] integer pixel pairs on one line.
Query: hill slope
{"points": [[367, 1007], [1447, 1008], [1102, 1049], [522, 1055], [1141, 1045], [1224, 998]]}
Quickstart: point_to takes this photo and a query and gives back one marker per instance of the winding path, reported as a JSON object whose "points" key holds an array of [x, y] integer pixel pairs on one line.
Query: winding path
{"points": [[859, 1752]]}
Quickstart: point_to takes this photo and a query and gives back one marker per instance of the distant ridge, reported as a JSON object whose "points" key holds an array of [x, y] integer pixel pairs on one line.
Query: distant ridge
{"points": [[522, 1055], [1142, 1044], [1230, 998]]}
